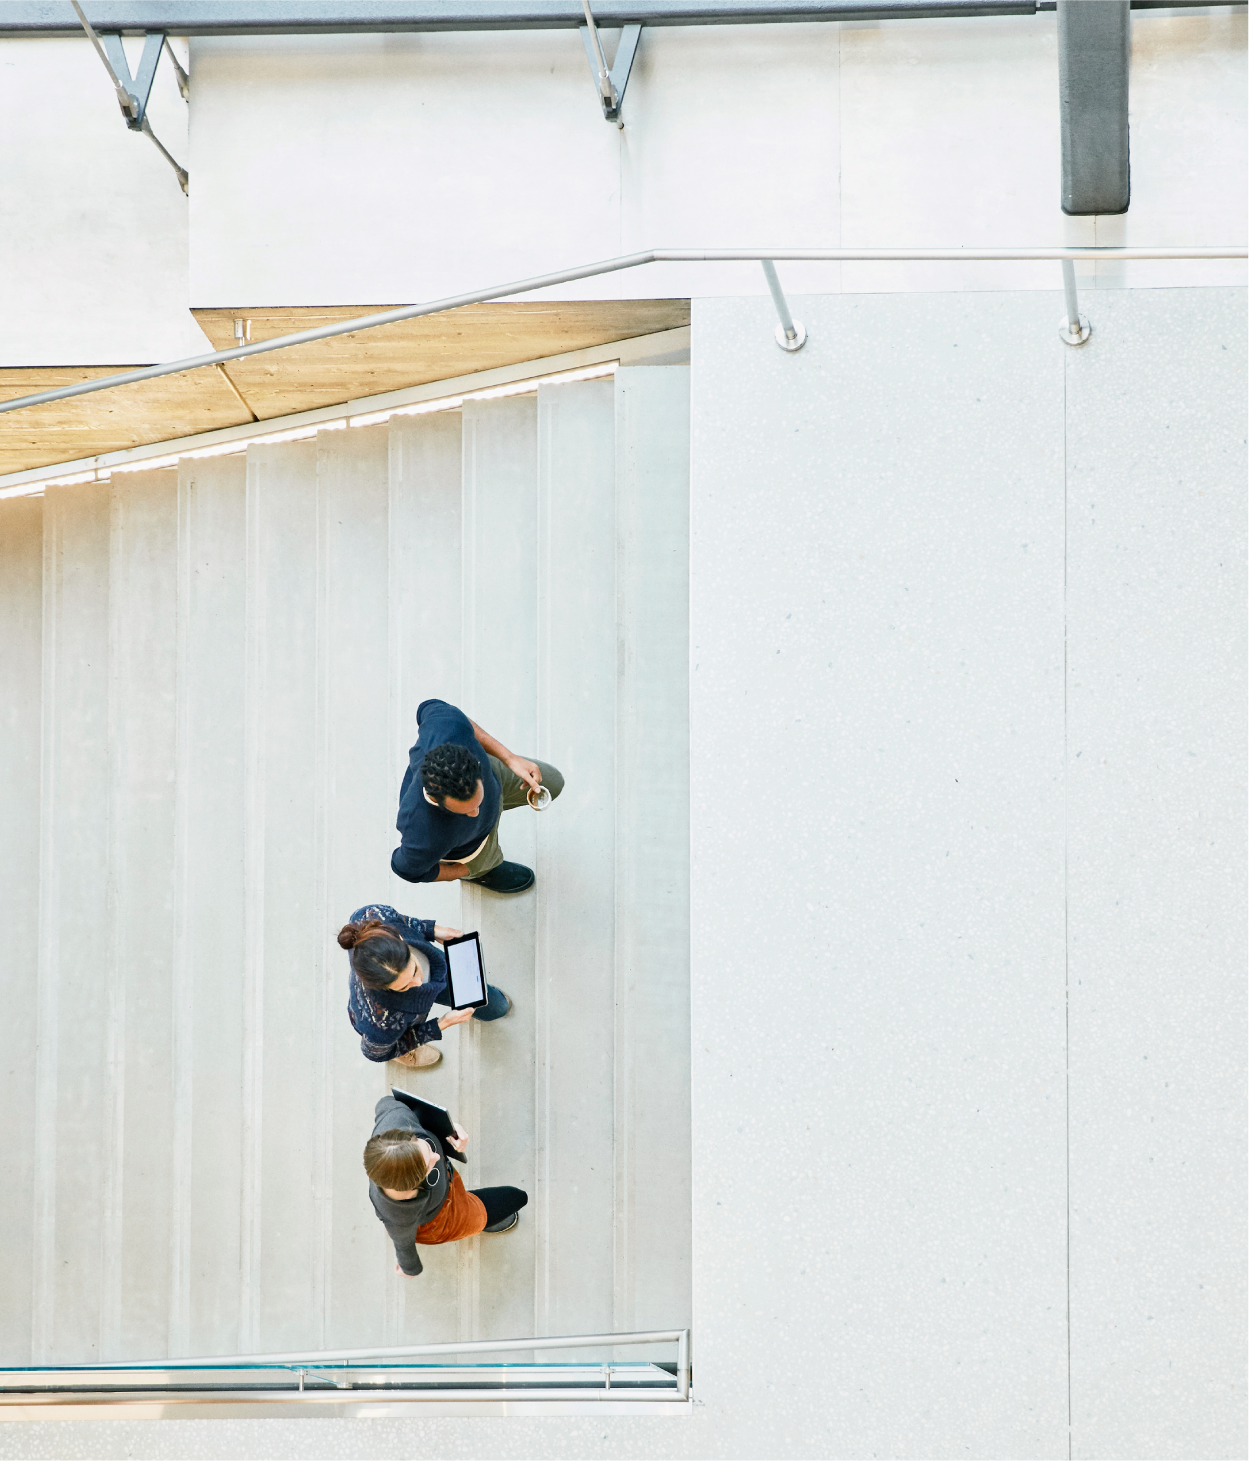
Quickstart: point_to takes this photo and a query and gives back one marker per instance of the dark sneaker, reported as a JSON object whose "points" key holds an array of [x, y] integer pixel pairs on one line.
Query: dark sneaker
{"points": [[508, 877], [504, 1225], [496, 1007]]}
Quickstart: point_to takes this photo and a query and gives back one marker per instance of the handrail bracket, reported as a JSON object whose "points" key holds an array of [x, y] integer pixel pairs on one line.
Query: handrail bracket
{"points": [[790, 334], [610, 83]]}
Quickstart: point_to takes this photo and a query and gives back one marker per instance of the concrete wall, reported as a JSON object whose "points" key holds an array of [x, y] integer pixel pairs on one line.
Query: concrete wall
{"points": [[383, 169], [94, 228], [892, 508]]}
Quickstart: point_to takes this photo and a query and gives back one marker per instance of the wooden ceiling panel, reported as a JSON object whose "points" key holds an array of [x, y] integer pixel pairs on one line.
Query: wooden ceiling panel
{"points": [[326, 373], [415, 352], [112, 420]]}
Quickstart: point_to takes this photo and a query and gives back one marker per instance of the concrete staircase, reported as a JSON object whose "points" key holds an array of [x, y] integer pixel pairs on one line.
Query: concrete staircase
{"points": [[209, 677]]}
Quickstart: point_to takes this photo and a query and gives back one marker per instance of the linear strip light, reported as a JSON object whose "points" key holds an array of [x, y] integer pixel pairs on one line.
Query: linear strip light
{"points": [[491, 393], [306, 433]]}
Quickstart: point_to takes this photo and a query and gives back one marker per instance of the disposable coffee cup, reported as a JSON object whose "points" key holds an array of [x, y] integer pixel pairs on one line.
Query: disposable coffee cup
{"points": [[539, 798]]}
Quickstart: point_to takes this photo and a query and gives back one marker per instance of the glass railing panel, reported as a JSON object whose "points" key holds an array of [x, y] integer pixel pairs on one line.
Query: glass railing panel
{"points": [[481, 1368]]}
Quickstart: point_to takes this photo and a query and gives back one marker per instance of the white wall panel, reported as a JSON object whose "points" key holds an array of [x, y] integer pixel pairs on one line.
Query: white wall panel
{"points": [[21, 675], [576, 936], [425, 610], [721, 151], [439, 181], [500, 1061], [1155, 770], [426, 491], [652, 1095], [210, 948], [137, 1196], [283, 1258], [938, 133], [354, 841], [93, 240], [71, 1121], [943, 148], [877, 876]]}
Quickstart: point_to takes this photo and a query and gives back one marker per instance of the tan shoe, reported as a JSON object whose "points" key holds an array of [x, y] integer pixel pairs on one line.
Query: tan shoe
{"points": [[422, 1056]]}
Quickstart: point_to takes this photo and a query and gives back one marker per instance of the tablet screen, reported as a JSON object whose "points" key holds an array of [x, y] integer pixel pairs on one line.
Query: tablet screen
{"points": [[468, 980]]}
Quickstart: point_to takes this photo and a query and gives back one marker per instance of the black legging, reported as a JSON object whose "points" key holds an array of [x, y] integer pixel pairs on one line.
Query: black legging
{"points": [[501, 1202]]}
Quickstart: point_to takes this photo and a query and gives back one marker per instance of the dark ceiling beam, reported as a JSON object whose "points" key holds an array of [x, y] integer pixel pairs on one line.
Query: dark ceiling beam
{"points": [[308, 17], [1093, 52]]}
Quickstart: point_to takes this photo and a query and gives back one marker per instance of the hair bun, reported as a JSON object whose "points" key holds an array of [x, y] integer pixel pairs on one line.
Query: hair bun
{"points": [[352, 934]]}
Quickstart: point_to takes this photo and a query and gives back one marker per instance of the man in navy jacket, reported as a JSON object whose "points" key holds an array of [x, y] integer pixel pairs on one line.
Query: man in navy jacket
{"points": [[459, 782]]}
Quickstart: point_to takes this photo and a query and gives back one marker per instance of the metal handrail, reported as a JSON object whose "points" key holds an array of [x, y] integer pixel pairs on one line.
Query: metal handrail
{"points": [[319, 1358], [612, 266]]}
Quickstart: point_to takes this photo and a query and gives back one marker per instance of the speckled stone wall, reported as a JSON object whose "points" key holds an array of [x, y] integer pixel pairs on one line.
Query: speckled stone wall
{"points": [[968, 723], [1156, 812], [877, 644]]}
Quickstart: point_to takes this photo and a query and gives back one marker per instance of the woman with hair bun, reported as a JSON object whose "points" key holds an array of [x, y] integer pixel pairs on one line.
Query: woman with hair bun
{"points": [[398, 973]]}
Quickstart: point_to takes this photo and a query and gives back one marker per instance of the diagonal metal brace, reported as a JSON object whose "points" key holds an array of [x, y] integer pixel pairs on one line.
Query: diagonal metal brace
{"points": [[133, 92], [136, 88], [609, 84]]}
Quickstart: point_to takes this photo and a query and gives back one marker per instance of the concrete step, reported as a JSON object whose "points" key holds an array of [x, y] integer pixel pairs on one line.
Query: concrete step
{"points": [[210, 680]]}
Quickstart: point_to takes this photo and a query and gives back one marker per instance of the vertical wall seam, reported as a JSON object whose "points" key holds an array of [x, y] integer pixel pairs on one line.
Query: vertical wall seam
{"points": [[547, 412], [468, 1048], [1066, 914], [841, 283], [250, 1135], [614, 751], [622, 1294], [114, 1102], [183, 961], [394, 1319], [323, 1163], [44, 1185], [468, 433]]}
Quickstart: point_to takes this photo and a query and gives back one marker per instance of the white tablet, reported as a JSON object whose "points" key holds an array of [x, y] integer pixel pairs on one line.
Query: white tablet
{"points": [[466, 972]]}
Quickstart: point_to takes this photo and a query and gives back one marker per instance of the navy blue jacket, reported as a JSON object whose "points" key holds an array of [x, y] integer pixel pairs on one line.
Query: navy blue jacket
{"points": [[392, 1022], [431, 833]]}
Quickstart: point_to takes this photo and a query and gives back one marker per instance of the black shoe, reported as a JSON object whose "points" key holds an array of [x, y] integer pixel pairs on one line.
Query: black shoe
{"points": [[504, 1225], [508, 877]]}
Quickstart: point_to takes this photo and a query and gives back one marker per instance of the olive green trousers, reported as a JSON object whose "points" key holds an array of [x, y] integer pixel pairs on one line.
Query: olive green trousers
{"points": [[514, 790]]}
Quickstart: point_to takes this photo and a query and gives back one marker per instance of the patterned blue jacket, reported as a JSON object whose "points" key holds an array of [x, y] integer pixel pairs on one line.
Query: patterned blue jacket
{"points": [[390, 1022]]}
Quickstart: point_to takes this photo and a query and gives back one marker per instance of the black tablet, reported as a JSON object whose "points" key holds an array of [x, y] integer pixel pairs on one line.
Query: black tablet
{"points": [[433, 1118], [466, 972]]}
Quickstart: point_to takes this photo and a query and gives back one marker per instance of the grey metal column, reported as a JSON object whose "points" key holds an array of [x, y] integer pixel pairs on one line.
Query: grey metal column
{"points": [[1093, 46]]}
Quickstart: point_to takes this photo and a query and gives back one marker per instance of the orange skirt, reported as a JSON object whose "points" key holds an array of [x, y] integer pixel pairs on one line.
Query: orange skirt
{"points": [[461, 1216]]}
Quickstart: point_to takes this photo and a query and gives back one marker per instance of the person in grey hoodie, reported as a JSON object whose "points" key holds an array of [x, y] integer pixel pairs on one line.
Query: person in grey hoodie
{"points": [[418, 1197]]}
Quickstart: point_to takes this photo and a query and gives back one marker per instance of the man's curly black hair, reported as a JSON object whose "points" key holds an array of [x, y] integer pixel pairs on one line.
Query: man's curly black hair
{"points": [[450, 770]]}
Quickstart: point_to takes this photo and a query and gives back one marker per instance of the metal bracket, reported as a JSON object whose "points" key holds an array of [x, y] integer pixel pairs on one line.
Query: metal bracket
{"points": [[1073, 328], [137, 89], [133, 92], [790, 334], [609, 84]]}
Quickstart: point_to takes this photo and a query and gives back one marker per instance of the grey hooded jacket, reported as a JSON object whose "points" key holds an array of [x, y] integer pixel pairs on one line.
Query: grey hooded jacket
{"points": [[402, 1218]]}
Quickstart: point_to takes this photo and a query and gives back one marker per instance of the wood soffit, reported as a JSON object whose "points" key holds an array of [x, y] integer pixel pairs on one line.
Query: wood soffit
{"points": [[415, 352]]}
